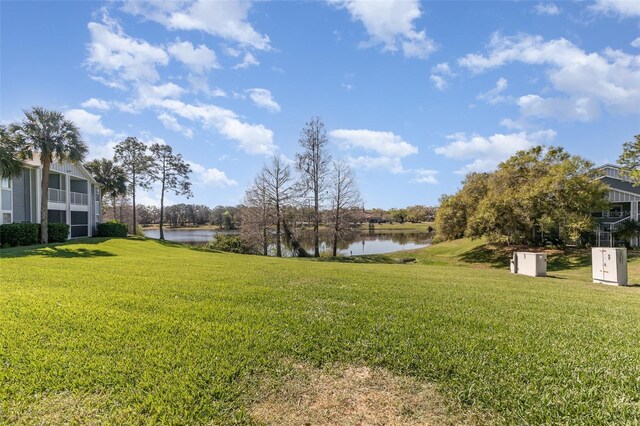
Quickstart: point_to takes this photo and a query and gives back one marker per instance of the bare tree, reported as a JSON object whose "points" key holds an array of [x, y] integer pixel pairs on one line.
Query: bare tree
{"points": [[313, 163], [256, 216], [173, 174], [345, 198], [278, 185]]}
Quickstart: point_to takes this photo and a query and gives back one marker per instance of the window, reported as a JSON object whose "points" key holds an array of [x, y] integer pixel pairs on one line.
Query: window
{"points": [[6, 200], [57, 216], [5, 183], [6, 217]]}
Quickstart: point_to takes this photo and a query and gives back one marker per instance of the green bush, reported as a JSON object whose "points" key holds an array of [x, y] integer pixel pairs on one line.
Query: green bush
{"points": [[19, 234], [112, 228], [230, 243], [26, 234], [58, 232]]}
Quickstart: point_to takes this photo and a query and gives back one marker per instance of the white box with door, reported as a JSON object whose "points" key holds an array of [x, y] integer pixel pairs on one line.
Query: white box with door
{"points": [[528, 263], [609, 265]]}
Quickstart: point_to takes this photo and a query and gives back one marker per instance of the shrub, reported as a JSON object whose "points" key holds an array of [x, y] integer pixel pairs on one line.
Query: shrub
{"points": [[58, 232], [19, 234], [230, 243], [112, 228]]}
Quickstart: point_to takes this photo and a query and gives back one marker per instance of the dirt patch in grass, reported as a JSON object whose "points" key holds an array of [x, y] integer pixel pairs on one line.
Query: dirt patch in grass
{"points": [[357, 395], [64, 408]]}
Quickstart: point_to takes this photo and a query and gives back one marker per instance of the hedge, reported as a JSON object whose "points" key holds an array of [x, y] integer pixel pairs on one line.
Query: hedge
{"points": [[112, 228], [19, 234], [58, 232], [26, 234]]}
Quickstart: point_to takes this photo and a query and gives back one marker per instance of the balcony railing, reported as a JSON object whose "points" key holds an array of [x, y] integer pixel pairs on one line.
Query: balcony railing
{"points": [[57, 196], [79, 199], [75, 198]]}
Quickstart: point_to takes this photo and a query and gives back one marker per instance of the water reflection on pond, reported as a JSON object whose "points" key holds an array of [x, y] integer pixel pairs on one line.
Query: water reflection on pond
{"points": [[357, 244], [187, 236]]}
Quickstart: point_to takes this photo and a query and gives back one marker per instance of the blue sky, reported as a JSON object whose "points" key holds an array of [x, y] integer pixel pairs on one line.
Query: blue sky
{"points": [[413, 95]]}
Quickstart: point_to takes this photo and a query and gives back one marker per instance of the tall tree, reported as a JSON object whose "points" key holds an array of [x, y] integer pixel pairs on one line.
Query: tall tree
{"points": [[136, 162], [313, 163], [173, 174], [112, 178], [277, 182], [345, 198], [630, 159], [10, 163], [256, 216], [54, 138]]}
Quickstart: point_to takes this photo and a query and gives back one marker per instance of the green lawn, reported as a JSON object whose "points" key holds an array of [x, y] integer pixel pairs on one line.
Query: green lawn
{"points": [[136, 331]]}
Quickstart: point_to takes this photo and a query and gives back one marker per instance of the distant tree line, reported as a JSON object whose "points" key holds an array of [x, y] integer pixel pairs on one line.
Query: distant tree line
{"points": [[177, 215]]}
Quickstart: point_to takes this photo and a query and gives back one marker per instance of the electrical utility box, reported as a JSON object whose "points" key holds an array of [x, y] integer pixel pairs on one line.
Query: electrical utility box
{"points": [[609, 265], [527, 263]]}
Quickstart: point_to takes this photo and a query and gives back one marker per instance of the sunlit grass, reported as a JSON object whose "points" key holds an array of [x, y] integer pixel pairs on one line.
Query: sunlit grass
{"points": [[128, 331]]}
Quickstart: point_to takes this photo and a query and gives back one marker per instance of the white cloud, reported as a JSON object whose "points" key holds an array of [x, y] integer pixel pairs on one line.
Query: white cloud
{"points": [[263, 99], [636, 43], [439, 82], [251, 138], [96, 104], [88, 123], [624, 8], [578, 109], [494, 96], [391, 24], [438, 74], [171, 123], [211, 176], [226, 19], [249, 60], [442, 68], [487, 152], [109, 83], [149, 95], [199, 59], [546, 9], [390, 148], [425, 176], [200, 84], [383, 143], [582, 80], [122, 57]]}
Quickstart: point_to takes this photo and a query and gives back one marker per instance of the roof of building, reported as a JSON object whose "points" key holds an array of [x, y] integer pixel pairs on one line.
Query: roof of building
{"points": [[620, 185], [35, 162]]}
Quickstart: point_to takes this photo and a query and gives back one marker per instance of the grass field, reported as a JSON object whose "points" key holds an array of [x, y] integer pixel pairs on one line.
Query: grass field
{"points": [[138, 331]]}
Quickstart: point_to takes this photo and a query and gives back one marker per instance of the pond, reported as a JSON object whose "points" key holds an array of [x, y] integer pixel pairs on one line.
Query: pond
{"points": [[187, 236], [358, 244]]}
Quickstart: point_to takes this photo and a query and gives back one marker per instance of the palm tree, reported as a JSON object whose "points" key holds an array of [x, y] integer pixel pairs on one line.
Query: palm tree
{"points": [[10, 163], [51, 136], [112, 178]]}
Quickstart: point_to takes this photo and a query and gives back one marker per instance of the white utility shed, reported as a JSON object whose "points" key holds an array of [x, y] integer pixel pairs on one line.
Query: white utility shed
{"points": [[528, 263], [609, 265]]}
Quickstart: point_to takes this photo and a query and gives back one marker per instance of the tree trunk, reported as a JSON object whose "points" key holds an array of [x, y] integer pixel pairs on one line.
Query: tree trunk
{"points": [[335, 233], [133, 193], [162, 211], [265, 245], [278, 236], [316, 226], [115, 211], [44, 200]]}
